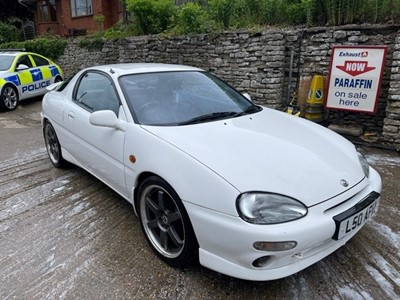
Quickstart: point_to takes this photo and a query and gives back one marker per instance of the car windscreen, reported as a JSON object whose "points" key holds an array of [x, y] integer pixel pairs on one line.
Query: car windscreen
{"points": [[6, 62], [182, 98]]}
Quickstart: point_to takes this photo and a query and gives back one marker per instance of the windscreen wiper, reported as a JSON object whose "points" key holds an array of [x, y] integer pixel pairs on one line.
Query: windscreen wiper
{"points": [[209, 117], [249, 110]]}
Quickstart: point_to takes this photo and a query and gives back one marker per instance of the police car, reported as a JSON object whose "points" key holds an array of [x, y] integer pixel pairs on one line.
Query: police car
{"points": [[24, 75]]}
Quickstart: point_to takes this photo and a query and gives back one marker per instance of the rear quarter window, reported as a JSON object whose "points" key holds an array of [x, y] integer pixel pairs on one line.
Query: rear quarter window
{"points": [[40, 61], [63, 85]]}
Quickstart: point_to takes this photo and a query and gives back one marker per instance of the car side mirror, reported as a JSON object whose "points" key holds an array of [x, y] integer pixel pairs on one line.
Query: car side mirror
{"points": [[247, 96], [53, 86], [107, 118], [22, 67]]}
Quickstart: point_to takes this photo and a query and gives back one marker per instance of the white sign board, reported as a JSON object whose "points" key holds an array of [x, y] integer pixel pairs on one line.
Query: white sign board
{"points": [[355, 78]]}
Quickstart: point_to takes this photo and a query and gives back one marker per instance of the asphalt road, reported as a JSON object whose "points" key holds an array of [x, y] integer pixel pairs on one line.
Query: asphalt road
{"points": [[64, 234]]}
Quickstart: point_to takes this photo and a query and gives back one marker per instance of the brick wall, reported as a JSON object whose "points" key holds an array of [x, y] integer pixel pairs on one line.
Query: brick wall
{"points": [[258, 63], [110, 9]]}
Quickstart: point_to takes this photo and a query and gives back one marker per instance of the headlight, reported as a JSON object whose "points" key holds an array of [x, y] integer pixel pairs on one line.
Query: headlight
{"points": [[364, 163], [265, 208]]}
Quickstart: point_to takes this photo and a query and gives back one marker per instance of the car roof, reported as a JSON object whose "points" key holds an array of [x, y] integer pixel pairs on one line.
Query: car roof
{"points": [[10, 52], [16, 52], [137, 68]]}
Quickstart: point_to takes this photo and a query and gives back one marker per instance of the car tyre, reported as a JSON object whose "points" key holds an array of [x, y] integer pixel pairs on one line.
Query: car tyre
{"points": [[165, 223], [9, 98], [53, 146]]}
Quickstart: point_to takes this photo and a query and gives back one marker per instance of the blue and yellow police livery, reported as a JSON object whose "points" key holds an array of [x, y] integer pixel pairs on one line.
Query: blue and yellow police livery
{"points": [[24, 75]]}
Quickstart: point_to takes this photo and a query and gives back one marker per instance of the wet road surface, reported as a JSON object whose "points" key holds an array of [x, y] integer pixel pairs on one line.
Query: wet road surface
{"points": [[64, 234]]}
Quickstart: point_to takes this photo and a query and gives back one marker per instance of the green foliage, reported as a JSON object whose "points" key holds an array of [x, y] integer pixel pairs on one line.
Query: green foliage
{"points": [[191, 18], [309, 9], [222, 11], [254, 8], [152, 16], [13, 45], [198, 16], [51, 47], [341, 12], [119, 31], [296, 14], [9, 33], [245, 13], [382, 11], [391, 11], [273, 12], [91, 43], [113, 33], [99, 19]]}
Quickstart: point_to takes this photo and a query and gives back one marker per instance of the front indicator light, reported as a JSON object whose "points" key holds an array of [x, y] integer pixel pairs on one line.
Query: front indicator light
{"points": [[132, 158], [274, 246]]}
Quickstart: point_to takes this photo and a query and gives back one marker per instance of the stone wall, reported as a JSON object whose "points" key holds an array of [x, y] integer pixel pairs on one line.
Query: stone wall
{"points": [[253, 62], [258, 62], [315, 53], [391, 128]]}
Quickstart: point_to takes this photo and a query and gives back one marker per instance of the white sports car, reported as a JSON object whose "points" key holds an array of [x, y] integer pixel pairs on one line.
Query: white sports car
{"points": [[251, 192]]}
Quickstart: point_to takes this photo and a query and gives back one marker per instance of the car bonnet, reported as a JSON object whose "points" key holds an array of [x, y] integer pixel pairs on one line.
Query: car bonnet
{"points": [[272, 152]]}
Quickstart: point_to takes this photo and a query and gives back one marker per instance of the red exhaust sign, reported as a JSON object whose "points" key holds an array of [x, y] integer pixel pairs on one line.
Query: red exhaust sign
{"points": [[355, 78]]}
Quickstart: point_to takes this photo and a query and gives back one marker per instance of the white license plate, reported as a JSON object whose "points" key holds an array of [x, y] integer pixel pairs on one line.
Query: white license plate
{"points": [[355, 220]]}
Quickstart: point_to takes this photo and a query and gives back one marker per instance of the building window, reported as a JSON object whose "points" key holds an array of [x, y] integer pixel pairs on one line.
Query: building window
{"points": [[47, 10], [81, 8]]}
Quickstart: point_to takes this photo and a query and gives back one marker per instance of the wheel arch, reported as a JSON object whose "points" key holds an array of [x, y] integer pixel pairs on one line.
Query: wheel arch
{"points": [[3, 102], [7, 83], [53, 146], [44, 122], [191, 240], [142, 177]]}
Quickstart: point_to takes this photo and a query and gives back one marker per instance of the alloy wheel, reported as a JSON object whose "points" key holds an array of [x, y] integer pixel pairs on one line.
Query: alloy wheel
{"points": [[10, 98], [162, 221], [53, 148]]}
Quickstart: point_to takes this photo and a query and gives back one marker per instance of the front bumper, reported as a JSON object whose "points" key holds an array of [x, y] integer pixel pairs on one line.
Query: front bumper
{"points": [[226, 242]]}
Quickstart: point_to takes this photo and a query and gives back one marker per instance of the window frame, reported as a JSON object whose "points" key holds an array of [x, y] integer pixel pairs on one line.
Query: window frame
{"points": [[33, 56], [133, 107], [17, 63], [75, 9], [47, 11], [78, 83]]}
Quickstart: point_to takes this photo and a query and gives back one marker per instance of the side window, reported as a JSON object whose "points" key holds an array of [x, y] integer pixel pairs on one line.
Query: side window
{"points": [[24, 60], [40, 61], [96, 92]]}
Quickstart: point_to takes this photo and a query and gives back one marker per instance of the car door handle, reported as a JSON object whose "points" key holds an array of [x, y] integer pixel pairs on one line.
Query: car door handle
{"points": [[71, 115]]}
